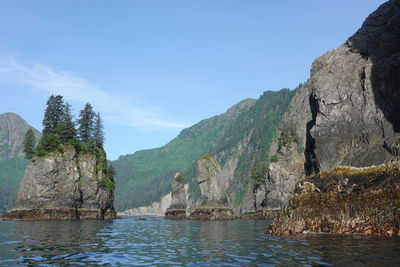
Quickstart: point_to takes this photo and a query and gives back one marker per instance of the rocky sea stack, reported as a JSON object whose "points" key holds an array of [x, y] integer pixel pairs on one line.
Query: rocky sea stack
{"points": [[68, 177], [213, 185], [355, 108], [66, 185], [177, 210]]}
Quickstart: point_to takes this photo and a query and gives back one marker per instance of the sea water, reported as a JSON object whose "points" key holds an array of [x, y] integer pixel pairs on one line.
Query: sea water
{"points": [[154, 241]]}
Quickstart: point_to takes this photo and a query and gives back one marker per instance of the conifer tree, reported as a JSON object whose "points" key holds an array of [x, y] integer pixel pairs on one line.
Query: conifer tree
{"points": [[67, 129], [86, 124], [53, 114], [29, 144], [98, 134], [258, 177]]}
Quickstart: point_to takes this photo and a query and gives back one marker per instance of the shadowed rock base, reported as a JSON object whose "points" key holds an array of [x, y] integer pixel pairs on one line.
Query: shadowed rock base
{"points": [[345, 201], [175, 214], [45, 214], [212, 213]]}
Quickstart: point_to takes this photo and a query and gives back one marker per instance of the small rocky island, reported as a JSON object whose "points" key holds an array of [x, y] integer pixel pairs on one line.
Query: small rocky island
{"points": [[68, 177], [214, 204], [177, 209]]}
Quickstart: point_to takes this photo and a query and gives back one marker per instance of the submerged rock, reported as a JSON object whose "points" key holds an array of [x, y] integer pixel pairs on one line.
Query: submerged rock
{"points": [[65, 185], [345, 200]]}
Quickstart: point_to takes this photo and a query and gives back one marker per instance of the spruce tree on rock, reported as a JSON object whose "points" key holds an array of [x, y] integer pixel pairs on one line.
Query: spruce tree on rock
{"points": [[53, 114], [98, 131], [29, 144], [67, 129], [86, 124]]}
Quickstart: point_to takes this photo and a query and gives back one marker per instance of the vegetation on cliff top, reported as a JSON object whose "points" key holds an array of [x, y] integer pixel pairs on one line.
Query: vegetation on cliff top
{"points": [[59, 131]]}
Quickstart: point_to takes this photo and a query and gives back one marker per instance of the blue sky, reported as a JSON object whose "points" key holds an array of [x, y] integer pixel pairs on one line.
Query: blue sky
{"points": [[152, 68]]}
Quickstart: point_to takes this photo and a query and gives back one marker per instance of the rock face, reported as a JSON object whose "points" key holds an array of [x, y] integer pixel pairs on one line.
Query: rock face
{"points": [[287, 166], [284, 173], [64, 185], [355, 107], [177, 210], [12, 132], [345, 200], [355, 97], [211, 182]]}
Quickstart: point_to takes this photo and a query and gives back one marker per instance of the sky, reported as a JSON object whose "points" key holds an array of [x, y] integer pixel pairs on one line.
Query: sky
{"points": [[152, 68]]}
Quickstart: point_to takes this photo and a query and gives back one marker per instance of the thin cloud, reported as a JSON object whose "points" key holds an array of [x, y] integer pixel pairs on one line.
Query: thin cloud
{"points": [[75, 88]]}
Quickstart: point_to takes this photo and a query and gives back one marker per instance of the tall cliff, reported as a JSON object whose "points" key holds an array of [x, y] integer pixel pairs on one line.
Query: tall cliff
{"points": [[287, 150], [12, 161], [65, 185], [355, 106], [355, 97]]}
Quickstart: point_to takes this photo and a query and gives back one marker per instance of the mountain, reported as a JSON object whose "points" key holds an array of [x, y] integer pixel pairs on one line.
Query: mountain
{"points": [[12, 161], [145, 176], [240, 135], [12, 132]]}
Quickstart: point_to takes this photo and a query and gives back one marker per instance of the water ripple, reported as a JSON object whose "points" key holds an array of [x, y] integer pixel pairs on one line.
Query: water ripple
{"points": [[158, 242]]}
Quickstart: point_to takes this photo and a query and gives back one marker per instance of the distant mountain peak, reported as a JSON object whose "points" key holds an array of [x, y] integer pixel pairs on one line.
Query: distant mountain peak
{"points": [[12, 132], [241, 106]]}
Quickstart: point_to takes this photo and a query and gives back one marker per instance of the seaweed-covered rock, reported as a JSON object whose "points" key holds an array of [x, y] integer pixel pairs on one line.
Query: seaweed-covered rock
{"points": [[212, 213], [345, 200], [65, 185]]}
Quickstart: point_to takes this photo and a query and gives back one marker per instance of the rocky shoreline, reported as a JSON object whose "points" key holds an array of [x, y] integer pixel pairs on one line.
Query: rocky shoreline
{"points": [[344, 200], [45, 214]]}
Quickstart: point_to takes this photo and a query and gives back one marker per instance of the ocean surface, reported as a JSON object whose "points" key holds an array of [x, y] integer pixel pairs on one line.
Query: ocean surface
{"points": [[158, 242]]}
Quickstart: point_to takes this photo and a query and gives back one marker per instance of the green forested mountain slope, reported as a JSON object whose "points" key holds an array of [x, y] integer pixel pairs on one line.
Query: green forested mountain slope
{"points": [[146, 175], [12, 162], [254, 130], [11, 172]]}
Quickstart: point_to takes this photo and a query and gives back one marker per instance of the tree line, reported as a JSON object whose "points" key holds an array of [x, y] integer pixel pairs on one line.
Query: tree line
{"points": [[59, 128]]}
